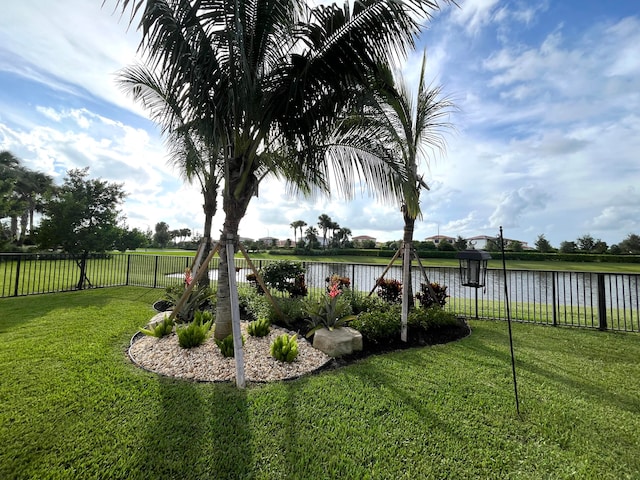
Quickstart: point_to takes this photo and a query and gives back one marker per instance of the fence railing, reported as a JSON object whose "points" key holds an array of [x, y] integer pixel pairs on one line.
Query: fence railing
{"points": [[607, 301]]}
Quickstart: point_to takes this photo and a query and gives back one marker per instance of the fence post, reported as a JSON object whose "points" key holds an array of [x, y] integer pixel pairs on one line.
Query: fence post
{"points": [[155, 273], [128, 268], [15, 290], [553, 297], [602, 303]]}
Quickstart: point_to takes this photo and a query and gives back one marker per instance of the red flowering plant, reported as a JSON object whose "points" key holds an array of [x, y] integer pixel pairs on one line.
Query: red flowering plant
{"points": [[389, 290], [330, 311], [341, 282]]}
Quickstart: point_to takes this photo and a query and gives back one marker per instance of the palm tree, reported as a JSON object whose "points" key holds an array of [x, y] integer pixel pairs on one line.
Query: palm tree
{"points": [[311, 234], [26, 190], [343, 235], [191, 148], [297, 224], [324, 223], [38, 186], [269, 78], [411, 129], [301, 225]]}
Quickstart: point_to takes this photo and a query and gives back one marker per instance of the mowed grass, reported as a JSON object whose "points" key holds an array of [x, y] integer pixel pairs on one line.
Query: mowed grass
{"points": [[73, 406]]}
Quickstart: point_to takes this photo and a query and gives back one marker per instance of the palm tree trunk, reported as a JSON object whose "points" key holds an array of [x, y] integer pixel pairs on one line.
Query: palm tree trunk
{"points": [[24, 221], [210, 206], [407, 238], [235, 208], [14, 228]]}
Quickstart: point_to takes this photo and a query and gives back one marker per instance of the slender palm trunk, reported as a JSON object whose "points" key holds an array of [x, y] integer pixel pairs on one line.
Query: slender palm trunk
{"points": [[14, 228], [210, 206], [407, 238]]}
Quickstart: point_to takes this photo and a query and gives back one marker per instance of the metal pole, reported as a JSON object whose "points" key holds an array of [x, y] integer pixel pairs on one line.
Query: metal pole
{"points": [[506, 299], [476, 289]]}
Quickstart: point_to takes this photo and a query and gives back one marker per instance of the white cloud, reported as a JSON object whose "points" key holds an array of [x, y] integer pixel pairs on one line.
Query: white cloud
{"points": [[475, 14]]}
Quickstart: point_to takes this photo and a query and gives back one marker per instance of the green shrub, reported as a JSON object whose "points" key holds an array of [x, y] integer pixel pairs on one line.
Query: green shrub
{"points": [[259, 328], [285, 348], [196, 332], [226, 346], [255, 305], [292, 310], [379, 326], [160, 329], [285, 276], [365, 303], [431, 318]]}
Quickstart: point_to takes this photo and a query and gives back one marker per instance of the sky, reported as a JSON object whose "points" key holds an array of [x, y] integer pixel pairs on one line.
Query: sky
{"points": [[546, 139]]}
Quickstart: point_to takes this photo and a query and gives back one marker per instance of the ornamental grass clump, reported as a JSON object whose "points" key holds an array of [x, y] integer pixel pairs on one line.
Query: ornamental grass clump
{"points": [[285, 348], [196, 332], [259, 328], [226, 345], [160, 329]]}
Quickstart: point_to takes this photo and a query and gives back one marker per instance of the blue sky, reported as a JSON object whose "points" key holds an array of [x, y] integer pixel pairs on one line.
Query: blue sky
{"points": [[547, 137]]}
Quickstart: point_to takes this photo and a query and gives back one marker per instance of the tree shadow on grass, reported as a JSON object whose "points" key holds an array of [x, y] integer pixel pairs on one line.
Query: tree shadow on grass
{"points": [[198, 431], [17, 311], [579, 381]]}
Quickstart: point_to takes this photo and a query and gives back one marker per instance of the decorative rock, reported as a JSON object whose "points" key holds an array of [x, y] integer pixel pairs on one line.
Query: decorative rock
{"points": [[158, 318], [356, 337], [337, 342]]}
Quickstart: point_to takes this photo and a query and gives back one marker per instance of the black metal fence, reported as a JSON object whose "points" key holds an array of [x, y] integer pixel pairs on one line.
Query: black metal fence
{"points": [[606, 301]]}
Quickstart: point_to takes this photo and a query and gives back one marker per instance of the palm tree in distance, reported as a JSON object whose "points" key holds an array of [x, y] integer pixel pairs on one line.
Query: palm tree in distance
{"points": [[297, 224], [324, 223], [269, 78], [28, 189], [311, 234]]}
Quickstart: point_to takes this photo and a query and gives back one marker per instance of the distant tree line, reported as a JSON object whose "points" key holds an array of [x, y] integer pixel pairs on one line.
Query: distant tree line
{"points": [[590, 245], [81, 215]]}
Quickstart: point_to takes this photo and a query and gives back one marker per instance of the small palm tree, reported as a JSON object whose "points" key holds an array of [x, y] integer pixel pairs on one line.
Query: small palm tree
{"points": [[409, 128]]}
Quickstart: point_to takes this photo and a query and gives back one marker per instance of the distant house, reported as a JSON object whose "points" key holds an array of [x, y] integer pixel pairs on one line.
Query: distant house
{"points": [[440, 238], [480, 242], [269, 241], [360, 239]]}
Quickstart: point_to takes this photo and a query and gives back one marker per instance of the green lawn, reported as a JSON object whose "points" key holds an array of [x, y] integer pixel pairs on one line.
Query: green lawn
{"points": [[74, 407]]}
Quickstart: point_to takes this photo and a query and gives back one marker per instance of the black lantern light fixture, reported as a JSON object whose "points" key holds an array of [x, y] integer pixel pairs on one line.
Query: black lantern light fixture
{"points": [[473, 267]]}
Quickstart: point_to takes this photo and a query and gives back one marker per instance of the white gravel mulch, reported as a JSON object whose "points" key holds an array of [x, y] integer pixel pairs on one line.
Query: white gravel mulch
{"points": [[206, 363]]}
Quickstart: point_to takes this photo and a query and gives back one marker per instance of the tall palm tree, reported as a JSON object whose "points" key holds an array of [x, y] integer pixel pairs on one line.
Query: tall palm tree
{"points": [[297, 224], [324, 223], [301, 225], [269, 78], [190, 146], [411, 129]]}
